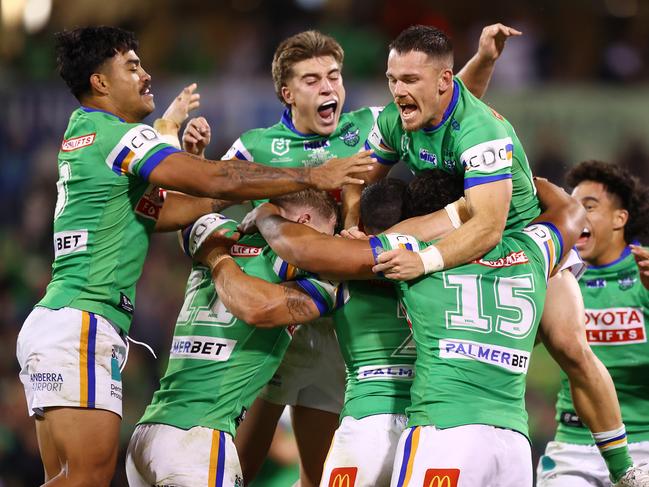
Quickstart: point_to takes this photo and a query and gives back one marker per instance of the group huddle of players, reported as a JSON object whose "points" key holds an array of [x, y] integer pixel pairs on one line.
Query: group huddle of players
{"points": [[401, 345]]}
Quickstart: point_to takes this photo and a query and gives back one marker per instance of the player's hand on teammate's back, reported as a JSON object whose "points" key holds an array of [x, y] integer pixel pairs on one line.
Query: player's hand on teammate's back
{"points": [[215, 246], [249, 223], [492, 40], [197, 136], [642, 259], [354, 233], [186, 101], [338, 171], [399, 264]]}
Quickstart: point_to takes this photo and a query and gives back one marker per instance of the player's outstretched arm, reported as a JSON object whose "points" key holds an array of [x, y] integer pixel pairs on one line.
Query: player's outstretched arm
{"points": [[488, 205], [309, 250], [244, 180], [351, 194], [176, 114], [562, 210], [476, 73], [434, 225], [180, 210]]}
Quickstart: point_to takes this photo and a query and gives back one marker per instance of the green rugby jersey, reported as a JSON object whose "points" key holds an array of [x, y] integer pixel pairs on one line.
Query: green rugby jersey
{"points": [[617, 308], [282, 145], [472, 140], [218, 363], [376, 344], [474, 328], [105, 212]]}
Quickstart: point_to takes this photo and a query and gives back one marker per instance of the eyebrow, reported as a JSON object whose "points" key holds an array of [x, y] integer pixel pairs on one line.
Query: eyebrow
{"points": [[589, 198], [317, 75], [135, 62]]}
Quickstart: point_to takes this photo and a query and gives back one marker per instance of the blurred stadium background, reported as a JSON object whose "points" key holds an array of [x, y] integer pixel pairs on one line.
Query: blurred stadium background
{"points": [[575, 86]]}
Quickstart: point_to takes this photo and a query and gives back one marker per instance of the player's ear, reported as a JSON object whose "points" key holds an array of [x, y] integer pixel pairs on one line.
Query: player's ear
{"points": [[445, 81], [99, 83], [304, 218], [620, 218], [287, 95]]}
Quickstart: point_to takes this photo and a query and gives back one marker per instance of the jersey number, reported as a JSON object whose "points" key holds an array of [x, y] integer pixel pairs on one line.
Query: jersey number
{"points": [[212, 314], [508, 298]]}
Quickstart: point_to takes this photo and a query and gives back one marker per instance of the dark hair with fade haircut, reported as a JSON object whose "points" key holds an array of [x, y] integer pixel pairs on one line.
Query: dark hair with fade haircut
{"points": [[382, 204], [80, 53], [321, 201], [624, 187], [300, 47], [431, 191], [424, 38]]}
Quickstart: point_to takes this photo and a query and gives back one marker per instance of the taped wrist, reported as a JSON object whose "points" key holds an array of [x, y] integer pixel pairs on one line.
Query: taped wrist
{"points": [[192, 237], [432, 259]]}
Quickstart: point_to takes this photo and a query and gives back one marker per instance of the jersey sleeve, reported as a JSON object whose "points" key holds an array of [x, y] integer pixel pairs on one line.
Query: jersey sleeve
{"points": [[327, 295], [393, 241], [486, 153], [379, 138], [238, 151], [286, 271], [548, 241], [136, 149]]}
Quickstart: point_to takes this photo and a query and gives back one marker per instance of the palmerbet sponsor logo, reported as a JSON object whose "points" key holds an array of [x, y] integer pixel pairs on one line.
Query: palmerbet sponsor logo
{"points": [[46, 381], [615, 326], [386, 372], [202, 348], [508, 358]]}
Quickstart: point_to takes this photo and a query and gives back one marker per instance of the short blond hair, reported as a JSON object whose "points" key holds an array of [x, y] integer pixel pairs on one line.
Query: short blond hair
{"points": [[300, 47]]}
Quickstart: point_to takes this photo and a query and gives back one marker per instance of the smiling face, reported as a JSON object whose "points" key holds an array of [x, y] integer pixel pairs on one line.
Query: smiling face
{"points": [[315, 94], [603, 238], [421, 87], [125, 87]]}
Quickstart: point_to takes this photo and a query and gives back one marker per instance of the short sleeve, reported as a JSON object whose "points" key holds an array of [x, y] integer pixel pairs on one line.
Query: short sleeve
{"points": [[486, 154], [238, 151], [548, 241], [327, 295], [138, 151], [379, 137]]}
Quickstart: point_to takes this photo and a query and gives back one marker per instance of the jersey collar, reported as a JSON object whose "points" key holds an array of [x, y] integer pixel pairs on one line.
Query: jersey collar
{"points": [[449, 109], [88, 110], [625, 253], [287, 121]]}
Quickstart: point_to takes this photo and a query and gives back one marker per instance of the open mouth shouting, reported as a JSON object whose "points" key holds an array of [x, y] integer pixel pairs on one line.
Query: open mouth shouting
{"points": [[327, 111], [408, 111], [584, 238]]}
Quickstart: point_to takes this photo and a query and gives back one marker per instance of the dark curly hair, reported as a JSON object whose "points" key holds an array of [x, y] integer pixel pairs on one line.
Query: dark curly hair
{"points": [[382, 204], [431, 191], [624, 187], [80, 53], [424, 38]]}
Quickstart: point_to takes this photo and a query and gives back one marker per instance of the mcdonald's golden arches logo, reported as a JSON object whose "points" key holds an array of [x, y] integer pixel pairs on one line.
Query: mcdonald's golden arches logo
{"points": [[441, 477], [343, 477]]}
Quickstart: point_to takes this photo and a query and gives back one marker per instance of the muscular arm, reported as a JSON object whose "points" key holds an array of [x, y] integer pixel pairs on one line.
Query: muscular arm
{"points": [[235, 179], [180, 210], [562, 210], [330, 257], [261, 303], [432, 226]]}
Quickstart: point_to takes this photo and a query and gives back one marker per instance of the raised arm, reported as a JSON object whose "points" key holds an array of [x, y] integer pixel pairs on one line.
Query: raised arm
{"points": [[477, 72]]}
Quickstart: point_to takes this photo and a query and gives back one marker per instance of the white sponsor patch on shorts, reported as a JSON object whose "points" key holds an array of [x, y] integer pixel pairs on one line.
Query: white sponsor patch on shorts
{"points": [[70, 241], [508, 358], [202, 348], [386, 372]]}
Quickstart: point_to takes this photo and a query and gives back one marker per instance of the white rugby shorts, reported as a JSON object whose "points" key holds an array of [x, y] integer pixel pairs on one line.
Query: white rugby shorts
{"points": [[464, 456], [70, 358], [312, 373], [159, 454], [571, 465], [362, 451]]}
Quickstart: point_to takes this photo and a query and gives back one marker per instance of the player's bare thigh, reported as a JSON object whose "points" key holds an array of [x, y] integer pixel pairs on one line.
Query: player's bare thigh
{"points": [[86, 442]]}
